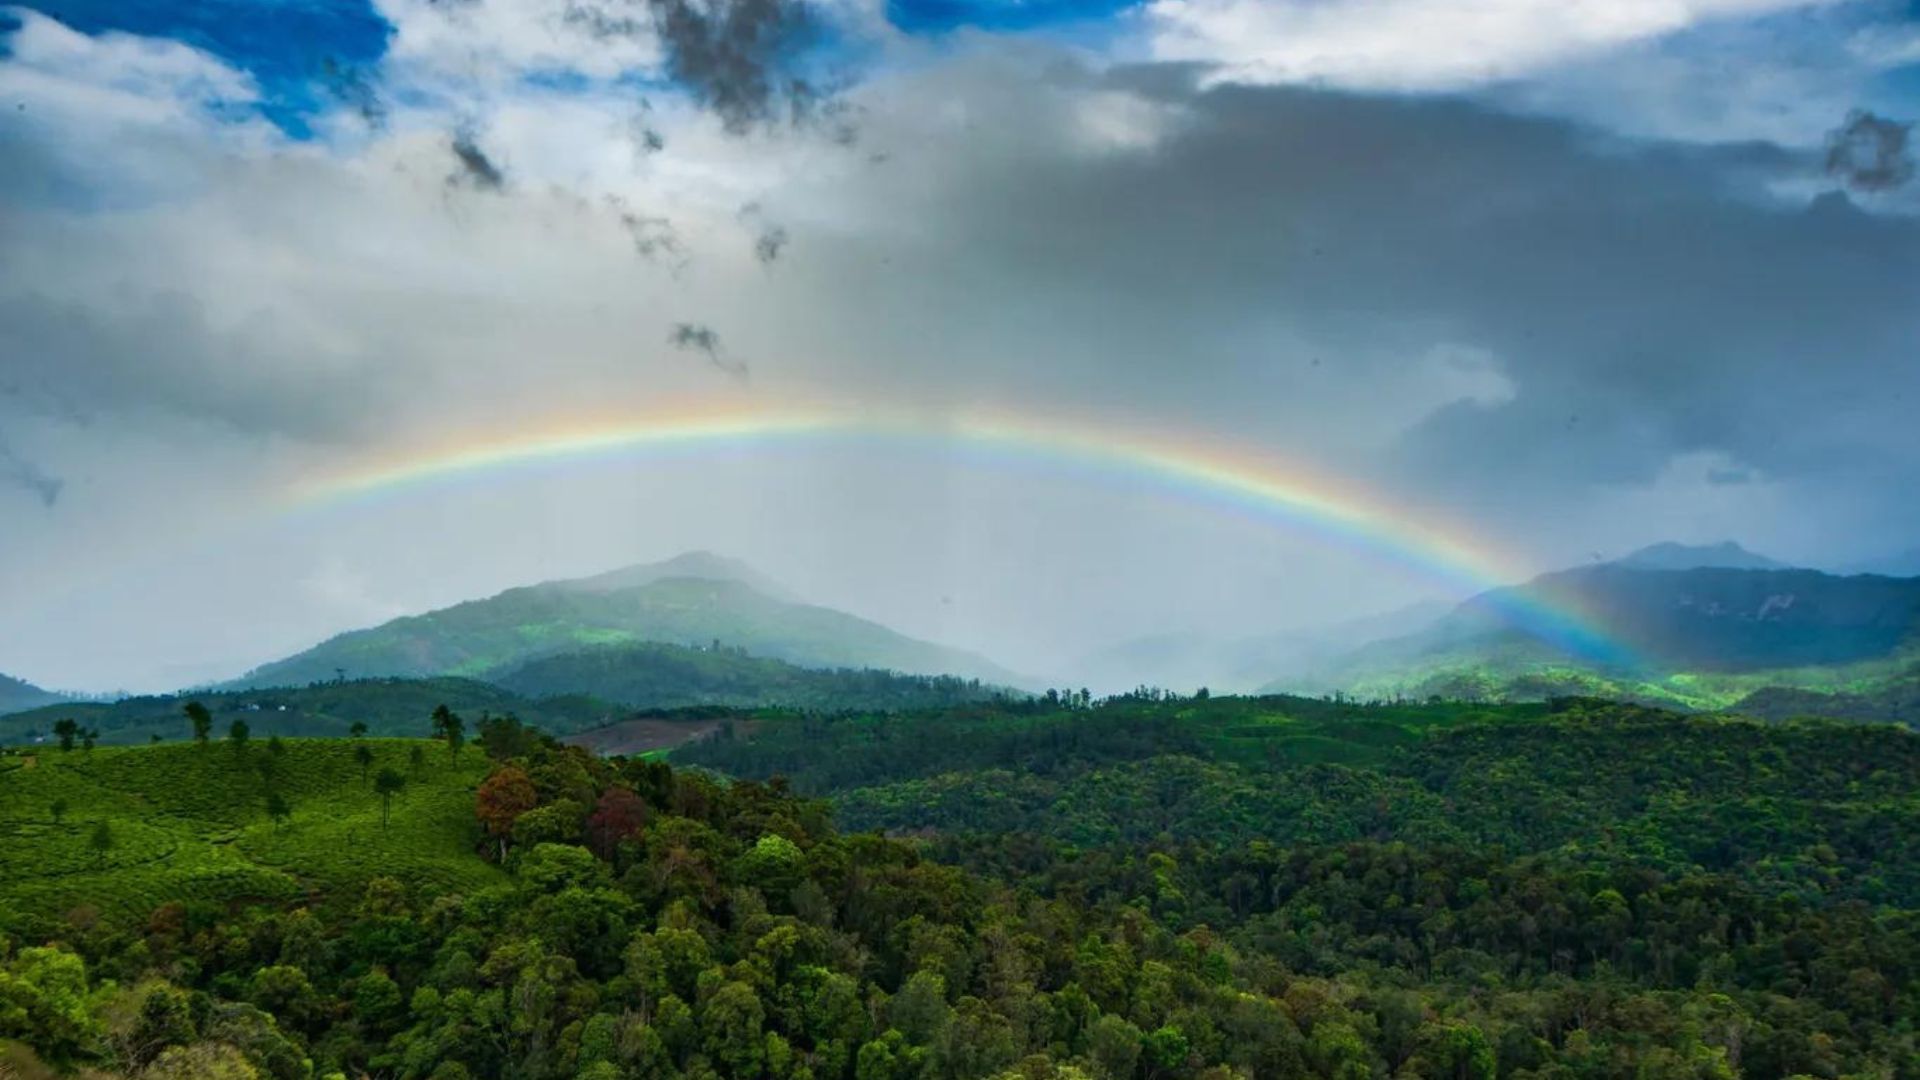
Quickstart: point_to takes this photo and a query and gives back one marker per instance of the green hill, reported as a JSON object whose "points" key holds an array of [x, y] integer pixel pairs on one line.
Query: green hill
{"points": [[17, 695], [653, 675], [190, 823], [398, 707], [483, 638], [1704, 638]]}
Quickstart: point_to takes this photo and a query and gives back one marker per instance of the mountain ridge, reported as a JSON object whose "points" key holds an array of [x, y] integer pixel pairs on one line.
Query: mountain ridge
{"points": [[487, 636]]}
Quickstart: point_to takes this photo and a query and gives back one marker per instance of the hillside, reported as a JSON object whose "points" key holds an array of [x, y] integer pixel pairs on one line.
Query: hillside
{"points": [[652, 675], [1522, 891], [191, 823], [1704, 638], [17, 695], [484, 638], [393, 707]]}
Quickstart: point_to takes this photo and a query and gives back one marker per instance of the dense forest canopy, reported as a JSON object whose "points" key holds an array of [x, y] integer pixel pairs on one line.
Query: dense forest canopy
{"points": [[1138, 890]]}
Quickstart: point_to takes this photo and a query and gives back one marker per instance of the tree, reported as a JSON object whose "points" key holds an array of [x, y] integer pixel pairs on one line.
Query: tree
{"points": [[88, 738], [59, 809], [416, 758], [101, 840], [278, 808], [448, 725], [503, 796], [363, 756], [67, 730], [239, 733], [386, 785], [617, 815], [201, 719], [358, 730], [275, 746]]}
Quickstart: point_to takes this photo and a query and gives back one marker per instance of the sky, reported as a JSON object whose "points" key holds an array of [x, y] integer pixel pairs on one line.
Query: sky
{"points": [[1562, 279]]}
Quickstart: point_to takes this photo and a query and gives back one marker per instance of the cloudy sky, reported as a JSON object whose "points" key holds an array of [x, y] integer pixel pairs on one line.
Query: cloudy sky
{"points": [[1574, 277]]}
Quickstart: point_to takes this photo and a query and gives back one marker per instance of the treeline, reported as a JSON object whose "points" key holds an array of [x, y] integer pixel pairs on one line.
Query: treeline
{"points": [[658, 675], [656, 922]]}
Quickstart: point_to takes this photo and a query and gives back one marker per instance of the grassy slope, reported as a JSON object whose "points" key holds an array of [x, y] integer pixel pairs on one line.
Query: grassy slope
{"points": [[387, 706], [190, 823]]}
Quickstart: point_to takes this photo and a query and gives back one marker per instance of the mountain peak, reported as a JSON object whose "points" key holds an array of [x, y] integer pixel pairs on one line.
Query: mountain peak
{"points": [[702, 564], [1725, 555]]}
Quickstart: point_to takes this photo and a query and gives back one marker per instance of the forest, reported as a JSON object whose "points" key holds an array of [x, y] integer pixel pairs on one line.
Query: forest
{"points": [[1305, 889]]}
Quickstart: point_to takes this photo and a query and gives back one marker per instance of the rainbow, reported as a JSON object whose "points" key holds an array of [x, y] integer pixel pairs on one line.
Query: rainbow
{"points": [[1288, 493]]}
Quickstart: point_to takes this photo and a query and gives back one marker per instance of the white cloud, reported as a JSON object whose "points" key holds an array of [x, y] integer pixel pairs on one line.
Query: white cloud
{"points": [[1415, 44]]}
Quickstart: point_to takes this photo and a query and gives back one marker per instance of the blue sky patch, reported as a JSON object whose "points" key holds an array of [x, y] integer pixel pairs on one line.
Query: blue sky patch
{"points": [[936, 16], [292, 48]]}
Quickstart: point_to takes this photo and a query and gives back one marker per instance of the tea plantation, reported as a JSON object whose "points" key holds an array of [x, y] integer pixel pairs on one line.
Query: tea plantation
{"points": [[114, 832]]}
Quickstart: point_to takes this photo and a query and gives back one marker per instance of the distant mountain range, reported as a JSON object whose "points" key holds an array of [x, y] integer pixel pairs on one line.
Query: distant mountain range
{"points": [[1725, 555], [1709, 627], [698, 599], [18, 696]]}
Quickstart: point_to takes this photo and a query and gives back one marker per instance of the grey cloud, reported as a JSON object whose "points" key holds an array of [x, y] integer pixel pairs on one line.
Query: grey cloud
{"points": [[75, 362], [1870, 153], [20, 472], [739, 58], [706, 341], [475, 168]]}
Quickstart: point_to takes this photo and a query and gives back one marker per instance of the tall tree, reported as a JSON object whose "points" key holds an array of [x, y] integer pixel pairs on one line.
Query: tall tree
{"points": [[67, 730], [239, 733], [101, 840], [201, 719], [387, 784], [448, 725], [363, 756], [59, 809], [278, 808], [358, 730]]}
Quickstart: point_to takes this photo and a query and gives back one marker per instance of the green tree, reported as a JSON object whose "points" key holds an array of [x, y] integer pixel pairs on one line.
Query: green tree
{"points": [[448, 725], [278, 808], [101, 840], [387, 784], [363, 757], [358, 730], [67, 729], [416, 758], [58, 808], [88, 738], [201, 719], [238, 733]]}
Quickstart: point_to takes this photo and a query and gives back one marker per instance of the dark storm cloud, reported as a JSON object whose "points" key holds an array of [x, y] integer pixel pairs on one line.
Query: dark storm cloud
{"points": [[1870, 153], [706, 341], [739, 57], [1643, 300], [475, 168]]}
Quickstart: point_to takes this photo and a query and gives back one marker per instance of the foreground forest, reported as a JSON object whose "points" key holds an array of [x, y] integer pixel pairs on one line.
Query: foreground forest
{"points": [[1143, 889]]}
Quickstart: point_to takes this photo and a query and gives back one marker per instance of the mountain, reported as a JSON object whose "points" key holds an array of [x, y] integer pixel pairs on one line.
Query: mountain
{"points": [[1725, 555], [1704, 637], [655, 675], [18, 696], [486, 638]]}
